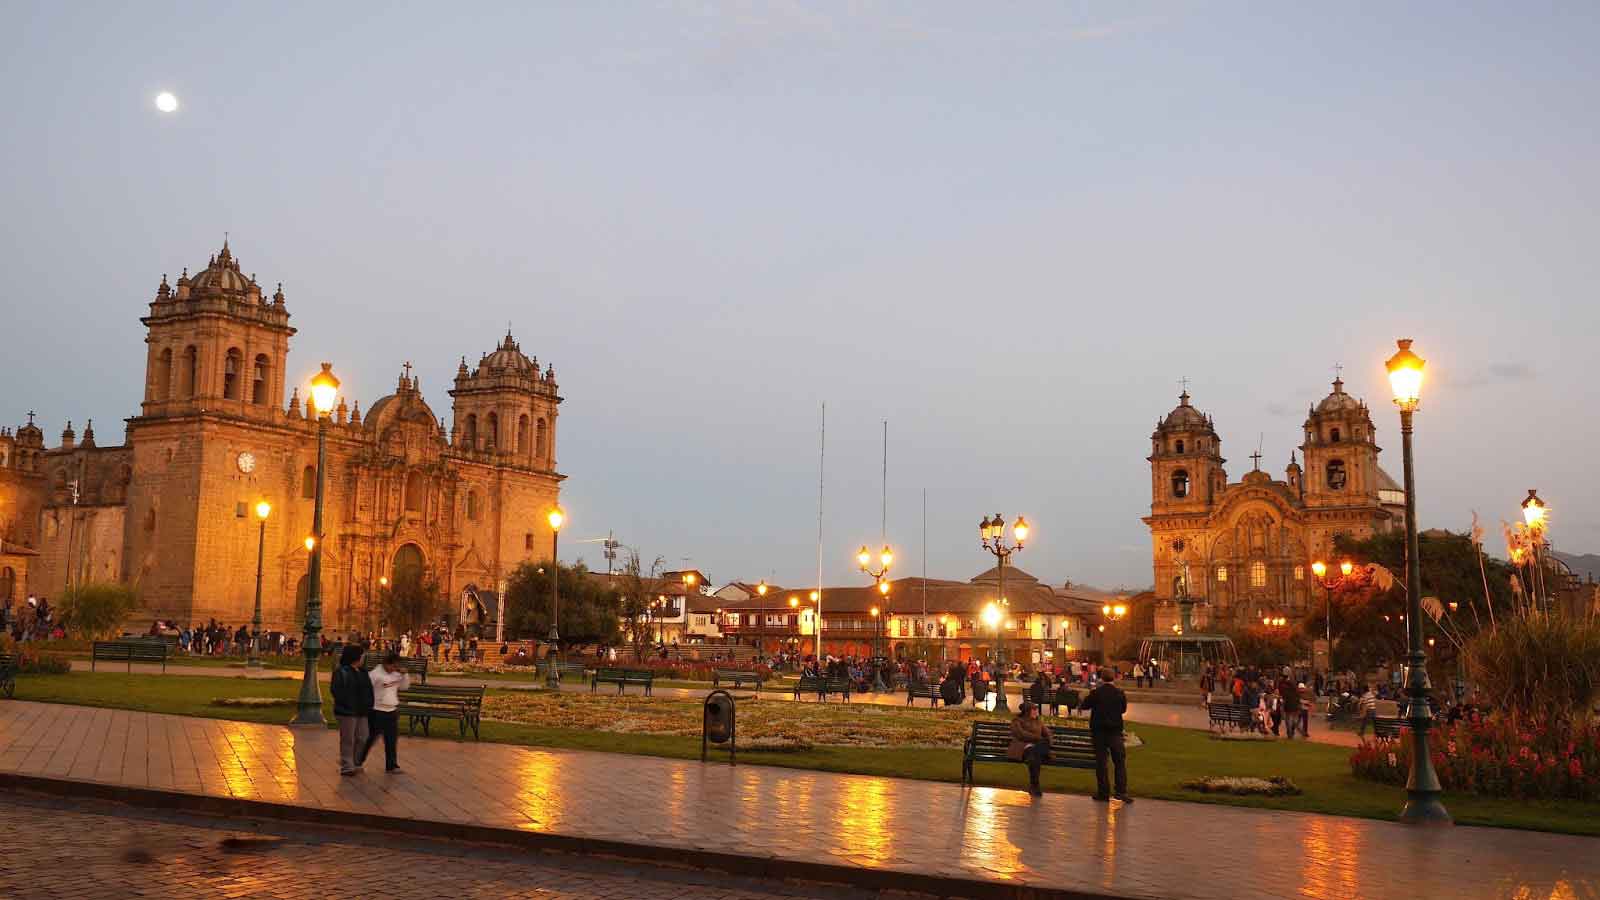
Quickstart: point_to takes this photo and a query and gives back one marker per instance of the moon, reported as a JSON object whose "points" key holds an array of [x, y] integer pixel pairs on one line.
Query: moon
{"points": [[167, 102]]}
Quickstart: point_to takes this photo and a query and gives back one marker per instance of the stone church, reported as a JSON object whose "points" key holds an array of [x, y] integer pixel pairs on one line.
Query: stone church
{"points": [[170, 510], [1243, 550]]}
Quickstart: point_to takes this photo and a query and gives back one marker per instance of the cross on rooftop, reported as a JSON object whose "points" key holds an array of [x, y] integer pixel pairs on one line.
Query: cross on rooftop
{"points": [[407, 367], [1183, 384], [1338, 371], [1257, 457]]}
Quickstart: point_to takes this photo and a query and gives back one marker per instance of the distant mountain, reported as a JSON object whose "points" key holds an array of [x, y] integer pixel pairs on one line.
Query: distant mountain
{"points": [[1587, 565]]}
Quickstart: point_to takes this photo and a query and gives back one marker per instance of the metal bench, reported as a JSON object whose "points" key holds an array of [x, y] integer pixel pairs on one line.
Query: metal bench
{"points": [[822, 686], [736, 677], [421, 705], [129, 652], [1070, 748], [1387, 726], [622, 678], [1234, 715], [8, 675], [923, 690]]}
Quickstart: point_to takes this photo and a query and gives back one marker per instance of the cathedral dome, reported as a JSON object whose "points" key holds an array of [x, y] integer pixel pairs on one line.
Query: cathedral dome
{"points": [[1338, 401], [222, 276], [509, 356], [1184, 415]]}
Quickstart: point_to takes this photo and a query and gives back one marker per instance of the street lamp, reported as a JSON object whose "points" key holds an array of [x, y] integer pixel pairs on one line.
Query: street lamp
{"points": [[879, 576], [1320, 569], [263, 509], [308, 709], [992, 536], [557, 517], [1423, 803]]}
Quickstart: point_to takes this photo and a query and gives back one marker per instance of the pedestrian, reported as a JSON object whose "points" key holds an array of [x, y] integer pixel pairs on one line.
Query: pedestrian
{"points": [[1291, 707], [1030, 743], [352, 706], [1305, 712], [388, 680], [1369, 712], [1106, 704]]}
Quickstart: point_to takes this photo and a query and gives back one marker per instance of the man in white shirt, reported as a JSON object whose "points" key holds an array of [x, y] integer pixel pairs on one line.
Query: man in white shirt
{"points": [[388, 680]]}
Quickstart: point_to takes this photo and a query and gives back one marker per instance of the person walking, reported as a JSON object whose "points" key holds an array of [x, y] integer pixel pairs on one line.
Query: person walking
{"points": [[352, 706], [1291, 707], [1369, 712], [1106, 704], [1030, 743], [388, 680]]}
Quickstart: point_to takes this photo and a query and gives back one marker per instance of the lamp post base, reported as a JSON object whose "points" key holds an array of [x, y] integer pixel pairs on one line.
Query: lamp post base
{"points": [[552, 679], [309, 710], [1000, 702], [1425, 808]]}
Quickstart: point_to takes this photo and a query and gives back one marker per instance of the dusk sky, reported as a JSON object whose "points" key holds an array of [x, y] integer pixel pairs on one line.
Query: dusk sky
{"points": [[1008, 229]]}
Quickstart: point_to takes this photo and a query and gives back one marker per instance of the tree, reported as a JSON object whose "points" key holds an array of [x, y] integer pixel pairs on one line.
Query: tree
{"points": [[638, 589], [97, 609], [1269, 647], [409, 604], [588, 612]]}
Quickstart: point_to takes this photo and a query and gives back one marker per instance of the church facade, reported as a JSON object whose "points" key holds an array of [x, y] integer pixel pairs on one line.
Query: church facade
{"points": [[171, 510], [1242, 551]]}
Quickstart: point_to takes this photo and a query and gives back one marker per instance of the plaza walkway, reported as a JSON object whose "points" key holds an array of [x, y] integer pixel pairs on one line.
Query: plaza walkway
{"points": [[883, 832], [1188, 715]]}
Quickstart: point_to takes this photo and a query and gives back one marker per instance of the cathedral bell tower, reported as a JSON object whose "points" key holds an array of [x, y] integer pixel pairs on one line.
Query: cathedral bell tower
{"points": [[1187, 480], [215, 344], [505, 409], [1341, 453]]}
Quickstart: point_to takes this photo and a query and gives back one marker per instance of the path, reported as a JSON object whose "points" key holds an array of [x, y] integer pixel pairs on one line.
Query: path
{"points": [[899, 831]]}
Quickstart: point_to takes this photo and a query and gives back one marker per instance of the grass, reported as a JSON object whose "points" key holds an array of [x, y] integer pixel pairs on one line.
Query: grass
{"points": [[1169, 756]]}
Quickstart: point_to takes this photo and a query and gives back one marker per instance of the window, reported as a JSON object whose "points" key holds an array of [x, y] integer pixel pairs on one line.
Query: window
{"points": [[522, 435], [1180, 483], [1258, 574], [1180, 445], [1299, 573], [1222, 573], [191, 371], [258, 384], [473, 512], [541, 443], [230, 374], [8, 583], [416, 491], [491, 424], [308, 482], [1334, 436], [241, 509], [527, 541], [1336, 475], [163, 385], [471, 433]]}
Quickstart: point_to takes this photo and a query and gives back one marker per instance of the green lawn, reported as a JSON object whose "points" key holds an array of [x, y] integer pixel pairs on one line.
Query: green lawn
{"points": [[1168, 757]]}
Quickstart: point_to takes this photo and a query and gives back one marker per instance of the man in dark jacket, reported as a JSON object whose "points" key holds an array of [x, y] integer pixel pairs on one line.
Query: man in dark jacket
{"points": [[1106, 704], [352, 703]]}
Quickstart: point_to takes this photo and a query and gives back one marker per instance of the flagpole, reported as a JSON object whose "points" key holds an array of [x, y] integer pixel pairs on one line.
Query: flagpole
{"points": [[822, 459]]}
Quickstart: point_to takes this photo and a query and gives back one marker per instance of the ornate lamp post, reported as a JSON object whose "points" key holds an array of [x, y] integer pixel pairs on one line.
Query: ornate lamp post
{"points": [[552, 678], [324, 394], [1329, 585], [1535, 515], [992, 536], [263, 509], [879, 575], [1423, 803]]}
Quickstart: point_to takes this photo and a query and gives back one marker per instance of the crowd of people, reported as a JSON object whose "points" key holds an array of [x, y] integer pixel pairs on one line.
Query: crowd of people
{"points": [[32, 620]]}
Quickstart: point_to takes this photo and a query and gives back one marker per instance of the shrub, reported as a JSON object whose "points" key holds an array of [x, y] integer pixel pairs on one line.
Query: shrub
{"points": [[30, 661], [1557, 758], [1536, 666], [98, 609]]}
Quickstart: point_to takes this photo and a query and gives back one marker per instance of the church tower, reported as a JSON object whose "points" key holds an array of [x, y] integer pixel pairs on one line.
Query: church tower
{"points": [[216, 344], [1187, 481], [1341, 453], [505, 408]]}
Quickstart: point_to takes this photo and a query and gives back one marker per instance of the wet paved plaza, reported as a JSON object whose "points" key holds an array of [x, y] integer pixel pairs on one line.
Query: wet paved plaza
{"points": [[1151, 849]]}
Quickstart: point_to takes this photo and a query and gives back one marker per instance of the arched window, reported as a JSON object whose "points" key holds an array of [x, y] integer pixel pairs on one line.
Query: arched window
{"points": [[1180, 483], [191, 371], [408, 567], [308, 482], [258, 385], [472, 506], [1334, 435], [163, 386], [8, 583], [471, 433], [416, 491], [522, 435], [491, 425], [541, 443], [1258, 574], [1299, 573], [1180, 445], [1336, 476], [230, 374], [1222, 573]]}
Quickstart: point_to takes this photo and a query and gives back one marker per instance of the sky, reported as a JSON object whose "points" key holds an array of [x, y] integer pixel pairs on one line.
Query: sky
{"points": [[1008, 230]]}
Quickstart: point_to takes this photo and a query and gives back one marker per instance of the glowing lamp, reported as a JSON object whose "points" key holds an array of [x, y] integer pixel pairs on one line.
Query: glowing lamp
{"points": [[1106, 609], [557, 518], [794, 602], [263, 509], [991, 615], [886, 557], [1405, 376], [874, 612], [1534, 510], [1346, 567], [1021, 529], [762, 588], [311, 542], [863, 557], [813, 596], [1119, 610], [383, 581], [324, 390], [1319, 568], [883, 587]]}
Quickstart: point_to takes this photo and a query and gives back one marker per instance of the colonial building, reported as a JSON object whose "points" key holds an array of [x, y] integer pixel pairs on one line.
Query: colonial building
{"points": [[170, 510], [1243, 550]]}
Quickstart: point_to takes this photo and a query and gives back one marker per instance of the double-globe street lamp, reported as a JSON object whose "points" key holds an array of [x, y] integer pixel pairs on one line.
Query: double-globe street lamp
{"points": [[552, 679], [1329, 585], [992, 536], [1423, 803], [324, 394], [879, 575], [263, 509]]}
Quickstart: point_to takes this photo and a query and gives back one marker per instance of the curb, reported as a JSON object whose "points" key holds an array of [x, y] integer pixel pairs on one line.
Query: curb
{"points": [[733, 863]]}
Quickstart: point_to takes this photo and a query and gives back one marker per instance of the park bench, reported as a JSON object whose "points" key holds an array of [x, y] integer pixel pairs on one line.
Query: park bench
{"points": [[622, 678], [923, 690], [822, 686], [415, 666], [421, 705], [1387, 726], [1069, 747], [571, 668], [129, 652], [8, 675], [1235, 715], [736, 677]]}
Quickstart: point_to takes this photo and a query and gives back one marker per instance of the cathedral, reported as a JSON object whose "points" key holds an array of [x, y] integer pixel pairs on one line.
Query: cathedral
{"points": [[1243, 551], [171, 510]]}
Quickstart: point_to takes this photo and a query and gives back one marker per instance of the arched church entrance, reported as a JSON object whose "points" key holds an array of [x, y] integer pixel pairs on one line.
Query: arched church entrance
{"points": [[408, 566]]}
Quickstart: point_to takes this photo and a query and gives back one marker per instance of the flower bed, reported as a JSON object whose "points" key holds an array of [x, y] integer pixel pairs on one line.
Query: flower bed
{"points": [[1497, 759], [1276, 786]]}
